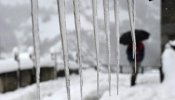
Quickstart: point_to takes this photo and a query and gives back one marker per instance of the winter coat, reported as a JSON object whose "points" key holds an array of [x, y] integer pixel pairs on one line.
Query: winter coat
{"points": [[140, 51]]}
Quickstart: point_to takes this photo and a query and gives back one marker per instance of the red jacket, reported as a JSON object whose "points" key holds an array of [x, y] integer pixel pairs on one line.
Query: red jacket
{"points": [[140, 50]]}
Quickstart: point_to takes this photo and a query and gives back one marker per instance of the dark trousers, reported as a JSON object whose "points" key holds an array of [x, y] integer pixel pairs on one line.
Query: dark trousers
{"points": [[134, 72]]}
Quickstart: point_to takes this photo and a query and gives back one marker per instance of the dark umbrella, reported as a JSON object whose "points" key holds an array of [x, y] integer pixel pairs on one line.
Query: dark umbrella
{"points": [[141, 35]]}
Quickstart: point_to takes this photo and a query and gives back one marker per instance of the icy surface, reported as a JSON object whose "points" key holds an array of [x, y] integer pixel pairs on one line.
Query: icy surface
{"points": [[36, 42], [132, 11], [78, 35], [107, 32], [62, 21], [95, 26], [117, 23]]}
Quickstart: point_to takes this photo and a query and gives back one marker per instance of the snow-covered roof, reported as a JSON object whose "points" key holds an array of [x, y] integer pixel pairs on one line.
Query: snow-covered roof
{"points": [[46, 62], [31, 50], [8, 65], [25, 61], [72, 65]]}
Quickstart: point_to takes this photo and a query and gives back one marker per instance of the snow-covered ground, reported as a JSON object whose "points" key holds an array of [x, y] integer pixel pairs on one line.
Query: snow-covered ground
{"points": [[148, 86]]}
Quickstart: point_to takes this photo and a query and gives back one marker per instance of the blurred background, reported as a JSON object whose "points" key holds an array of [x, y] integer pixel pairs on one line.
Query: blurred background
{"points": [[17, 71]]}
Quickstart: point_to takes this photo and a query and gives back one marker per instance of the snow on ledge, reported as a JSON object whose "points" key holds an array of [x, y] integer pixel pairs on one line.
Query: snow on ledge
{"points": [[8, 65], [25, 61]]}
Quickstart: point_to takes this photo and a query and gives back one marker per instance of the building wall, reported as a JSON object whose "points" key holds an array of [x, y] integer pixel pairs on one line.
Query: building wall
{"points": [[47, 73], [1, 85], [9, 81], [168, 21], [25, 77]]}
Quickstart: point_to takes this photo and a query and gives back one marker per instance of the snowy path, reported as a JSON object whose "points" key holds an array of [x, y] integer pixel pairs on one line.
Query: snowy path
{"points": [[148, 86]]}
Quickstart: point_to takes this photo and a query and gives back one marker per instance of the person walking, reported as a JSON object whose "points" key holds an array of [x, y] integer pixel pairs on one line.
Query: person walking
{"points": [[140, 52]]}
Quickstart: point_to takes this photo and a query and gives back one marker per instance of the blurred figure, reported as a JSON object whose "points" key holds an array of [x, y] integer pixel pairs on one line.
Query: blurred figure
{"points": [[140, 52], [126, 39]]}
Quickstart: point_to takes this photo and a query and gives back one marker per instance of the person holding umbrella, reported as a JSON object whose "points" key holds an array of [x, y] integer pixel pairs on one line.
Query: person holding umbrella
{"points": [[140, 51], [126, 39]]}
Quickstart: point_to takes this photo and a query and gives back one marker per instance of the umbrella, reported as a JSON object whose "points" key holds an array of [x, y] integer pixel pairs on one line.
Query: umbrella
{"points": [[141, 35]]}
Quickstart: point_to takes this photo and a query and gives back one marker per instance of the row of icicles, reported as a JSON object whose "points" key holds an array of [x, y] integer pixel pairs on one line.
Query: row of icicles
{"points": [[63, 31]]}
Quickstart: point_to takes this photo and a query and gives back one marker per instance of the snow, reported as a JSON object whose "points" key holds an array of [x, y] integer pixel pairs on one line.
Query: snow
{"points": [[132, 11], [148, 86], [95, 26], [85, 23], [70, 18], [117, 32], [72, 66], [149, 89], [36, 41], [31, 50], [78, 31], [108, 43], [25, 61], [8, 65], [53, 50], [46, 61], [15, 51], [63, 31], [169, 61]]}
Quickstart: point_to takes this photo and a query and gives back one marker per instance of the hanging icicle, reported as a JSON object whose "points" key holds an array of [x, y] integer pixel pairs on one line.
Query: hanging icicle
{"points": [[63, 32], [78, 31], [95, 26], [132, 13], [107, 31], [117, 31], [36, 42]]}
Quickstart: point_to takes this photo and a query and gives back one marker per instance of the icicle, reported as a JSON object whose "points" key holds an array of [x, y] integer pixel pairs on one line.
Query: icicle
{"points": [[62, 21], [116, 14], [107, 31], [36, 42], [95, 26], [78, 27], [133, 32], [132, 13]]}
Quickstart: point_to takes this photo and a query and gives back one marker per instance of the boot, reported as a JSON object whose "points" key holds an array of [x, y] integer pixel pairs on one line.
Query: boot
{"points": [[133, 79]]}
